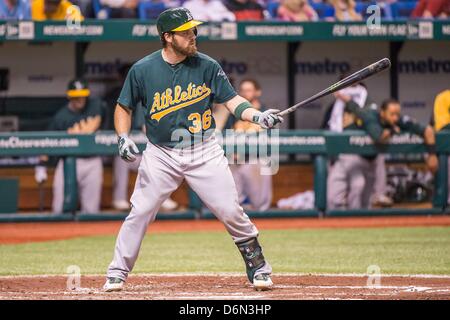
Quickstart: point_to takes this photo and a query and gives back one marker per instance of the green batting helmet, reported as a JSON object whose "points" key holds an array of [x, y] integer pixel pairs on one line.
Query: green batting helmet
{"points": [[175, 19]]}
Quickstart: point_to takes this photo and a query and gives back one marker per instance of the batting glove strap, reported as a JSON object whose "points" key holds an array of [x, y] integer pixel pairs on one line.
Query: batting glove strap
{"points": [[268, 119], [253, 257], [127, 148]]}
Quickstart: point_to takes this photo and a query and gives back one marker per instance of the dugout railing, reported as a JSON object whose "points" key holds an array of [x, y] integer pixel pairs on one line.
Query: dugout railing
{"points": [[320, 145]]}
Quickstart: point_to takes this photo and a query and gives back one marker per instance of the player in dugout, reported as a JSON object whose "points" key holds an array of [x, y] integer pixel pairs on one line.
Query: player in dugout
{"points": [[81, 115], [352, 176], [442, 119]]}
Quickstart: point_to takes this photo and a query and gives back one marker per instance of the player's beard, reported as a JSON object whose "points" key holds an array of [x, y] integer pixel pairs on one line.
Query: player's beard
{"points": [[189, 51]]}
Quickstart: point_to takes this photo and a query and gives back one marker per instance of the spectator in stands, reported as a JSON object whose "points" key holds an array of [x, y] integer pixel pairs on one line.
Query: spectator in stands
{"points": [[15, 10], [55, 10], [171, 3], [81, 115], [296, 10], [385, 6], [352, 175], [251, 184], [209, 10], [344, 10], [126, 9], [86, 7], [442, 120], [429, 9], [246, 9]]}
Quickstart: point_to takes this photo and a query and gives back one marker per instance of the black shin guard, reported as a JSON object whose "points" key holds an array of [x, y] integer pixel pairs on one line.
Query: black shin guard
{"points": [[251, 251]]}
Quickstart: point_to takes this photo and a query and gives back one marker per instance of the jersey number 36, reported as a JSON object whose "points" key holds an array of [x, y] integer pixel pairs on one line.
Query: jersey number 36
{"points": [[199, 121]]}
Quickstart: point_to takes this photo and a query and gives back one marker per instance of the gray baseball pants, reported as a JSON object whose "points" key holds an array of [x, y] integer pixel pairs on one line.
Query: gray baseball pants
{"points": [[350, 182], [160, 173], [89, 180], [252, 184], [122, 175]]}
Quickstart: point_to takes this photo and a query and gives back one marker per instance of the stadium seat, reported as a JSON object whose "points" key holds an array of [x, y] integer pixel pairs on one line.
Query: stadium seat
{"points": [[324, 10], [100, 11], [361, 8], [149, 10], [402, 9], [272, 7]]}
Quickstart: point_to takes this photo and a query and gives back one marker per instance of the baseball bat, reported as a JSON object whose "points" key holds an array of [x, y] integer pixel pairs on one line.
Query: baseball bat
{"points": [[356, 77]]}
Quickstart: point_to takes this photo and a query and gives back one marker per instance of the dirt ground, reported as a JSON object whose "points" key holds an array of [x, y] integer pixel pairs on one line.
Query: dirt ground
{"points": [[219, 286], [229, 287], [35, 232]]}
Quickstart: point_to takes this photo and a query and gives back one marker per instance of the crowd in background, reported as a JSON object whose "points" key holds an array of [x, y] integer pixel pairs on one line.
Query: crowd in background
{"points": [[225, 10]]}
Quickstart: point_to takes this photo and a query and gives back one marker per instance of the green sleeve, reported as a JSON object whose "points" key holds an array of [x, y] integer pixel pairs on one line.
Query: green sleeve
{"points": [[374, 130], [410, 125], [95, 108], [354, 108], [221, 86], [130, 95], [138, 118], [368, 117]]}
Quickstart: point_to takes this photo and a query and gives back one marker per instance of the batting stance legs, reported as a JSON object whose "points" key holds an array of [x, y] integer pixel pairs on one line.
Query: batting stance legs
{"points": [[206, 170]]}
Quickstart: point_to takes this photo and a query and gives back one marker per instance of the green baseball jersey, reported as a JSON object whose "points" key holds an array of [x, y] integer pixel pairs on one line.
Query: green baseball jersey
{"points": [[177, 100], [374, 126], [138, 120], [65, 118]]}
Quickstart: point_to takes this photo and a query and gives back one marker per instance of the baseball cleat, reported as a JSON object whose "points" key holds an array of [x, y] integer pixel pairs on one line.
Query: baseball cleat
{"points": [[113, 284], [383, 201], [262, 282], [121, 205]]}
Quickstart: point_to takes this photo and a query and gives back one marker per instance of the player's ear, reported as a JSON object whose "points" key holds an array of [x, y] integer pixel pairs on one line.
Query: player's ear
{"points": [[168, 37]]}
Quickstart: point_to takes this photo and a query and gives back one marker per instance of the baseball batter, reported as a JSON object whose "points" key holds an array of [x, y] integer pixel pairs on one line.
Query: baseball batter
{"points": [[177, 86]]}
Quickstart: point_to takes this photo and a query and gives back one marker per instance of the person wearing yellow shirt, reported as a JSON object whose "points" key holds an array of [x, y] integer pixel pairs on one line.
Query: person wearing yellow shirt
{"points": [[55, 10], [442, 118]]}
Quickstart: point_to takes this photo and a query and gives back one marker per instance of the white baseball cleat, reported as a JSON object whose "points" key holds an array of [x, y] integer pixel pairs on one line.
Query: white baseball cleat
{"points": [[121, 205], [262, 282], [113, 284], [169, 205]]}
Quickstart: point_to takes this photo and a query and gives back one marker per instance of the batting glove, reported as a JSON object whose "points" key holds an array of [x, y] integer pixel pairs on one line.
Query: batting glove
{"points": [[268, 119], [127, 148], [40, 174]]}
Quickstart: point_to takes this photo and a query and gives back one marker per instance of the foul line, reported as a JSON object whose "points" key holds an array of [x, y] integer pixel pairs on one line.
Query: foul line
{"points": [[240, 274]]}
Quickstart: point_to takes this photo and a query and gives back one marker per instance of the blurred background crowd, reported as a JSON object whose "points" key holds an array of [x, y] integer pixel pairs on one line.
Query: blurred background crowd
{"points": [[226, 10]]}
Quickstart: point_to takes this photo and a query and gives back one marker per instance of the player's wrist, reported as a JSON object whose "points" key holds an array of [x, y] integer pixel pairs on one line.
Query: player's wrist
{"points": [[238, 112], [256, 118]]}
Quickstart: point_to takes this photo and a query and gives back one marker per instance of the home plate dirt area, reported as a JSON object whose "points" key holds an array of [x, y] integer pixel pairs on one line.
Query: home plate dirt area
{"points": [[229, 286]]}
